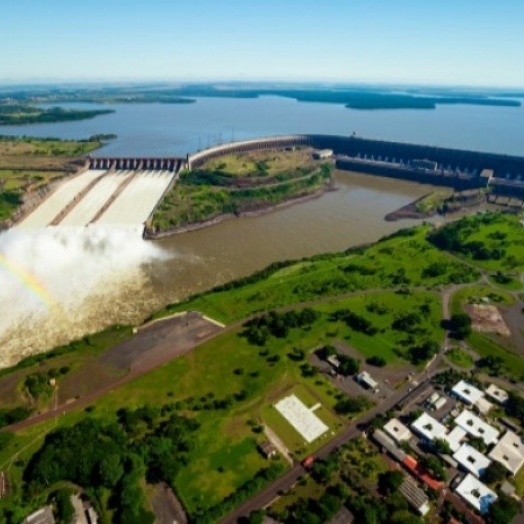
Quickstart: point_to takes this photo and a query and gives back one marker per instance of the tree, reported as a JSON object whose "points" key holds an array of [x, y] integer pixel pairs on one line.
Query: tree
{"points": [[495, 472], [348, 365], [110, 470], [460, 325], [442, 446], [377, 361], [65, 510], [256, 517], [503, 510], [390, 481]]}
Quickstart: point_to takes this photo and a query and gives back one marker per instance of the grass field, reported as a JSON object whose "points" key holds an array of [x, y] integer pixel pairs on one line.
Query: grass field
{"points": [[402, 261], [478, 294], [262, 163], [288, 434], [460, 358]]}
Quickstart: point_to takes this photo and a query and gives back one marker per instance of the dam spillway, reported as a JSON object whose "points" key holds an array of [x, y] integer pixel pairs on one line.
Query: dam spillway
{"points": [[109, 196]]}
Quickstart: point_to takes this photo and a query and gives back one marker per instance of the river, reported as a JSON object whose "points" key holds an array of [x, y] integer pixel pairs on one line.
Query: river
{"points": [[191, 262]]}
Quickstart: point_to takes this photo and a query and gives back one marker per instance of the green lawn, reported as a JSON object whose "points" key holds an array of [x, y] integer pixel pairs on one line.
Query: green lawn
{"points": [[289, 435], [460, 358], [479, 294]]}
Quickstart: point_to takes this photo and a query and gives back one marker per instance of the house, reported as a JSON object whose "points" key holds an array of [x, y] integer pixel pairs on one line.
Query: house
{"points": [[267, 449], [386, 443], [42, 516], [429, 428], [471, 460], [455, 437], [497, 394], [509, 451], [415, 497], [322, 154], [467, 393], [476, 427], [334, 361], [397, 431], [476, 493], [366, 380]]}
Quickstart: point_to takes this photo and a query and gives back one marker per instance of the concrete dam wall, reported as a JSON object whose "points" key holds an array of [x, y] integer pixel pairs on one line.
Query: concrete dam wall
{"points": [[457, 168]]}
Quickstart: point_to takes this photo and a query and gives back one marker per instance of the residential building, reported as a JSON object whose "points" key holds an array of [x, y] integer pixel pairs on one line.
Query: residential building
{"points": [[471, 460], [429, 428], [397, 431], [509, 451], [477, 427], [476, 493], [497, 394]]}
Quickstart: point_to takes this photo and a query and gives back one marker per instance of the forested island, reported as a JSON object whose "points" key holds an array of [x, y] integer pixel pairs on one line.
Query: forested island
{"points": [[12, 114], [351, 96]]}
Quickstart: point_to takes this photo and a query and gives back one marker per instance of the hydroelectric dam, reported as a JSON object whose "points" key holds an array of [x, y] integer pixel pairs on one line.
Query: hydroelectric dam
{"points": [[126, 191]]}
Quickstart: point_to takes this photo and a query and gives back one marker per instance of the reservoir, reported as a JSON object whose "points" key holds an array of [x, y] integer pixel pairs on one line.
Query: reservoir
{"points": [[191, 262]]}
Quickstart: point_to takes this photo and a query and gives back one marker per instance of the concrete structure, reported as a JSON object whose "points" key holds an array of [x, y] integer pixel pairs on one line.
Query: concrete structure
{"points": [[322, 154], [42, 516], [467, 393], [509, 451], [397, 431], [301, 418], [455, 437], [429, 428], [172, 164], [267, 449], [497, 394], [476, 493], [440, 403], [471, 460], [476, 427], [366, 380], [387, 444], [416, 498]]}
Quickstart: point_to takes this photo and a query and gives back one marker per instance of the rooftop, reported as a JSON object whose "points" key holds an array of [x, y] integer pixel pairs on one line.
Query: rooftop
{"points": [[398, 431], [476, 427], [476, 493], [497, 394], [467, 392], [509, 451], [454, 437], [415, 496], [367, 379], [428, 427], [42, 516], [471, 459]]}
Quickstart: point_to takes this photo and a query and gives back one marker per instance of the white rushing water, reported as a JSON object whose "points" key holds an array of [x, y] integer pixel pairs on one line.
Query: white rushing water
{"points": [[59, 283]]}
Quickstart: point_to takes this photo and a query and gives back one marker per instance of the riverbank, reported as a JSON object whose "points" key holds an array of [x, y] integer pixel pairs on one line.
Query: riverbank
{"points": [[439, 202], [150, 234]]}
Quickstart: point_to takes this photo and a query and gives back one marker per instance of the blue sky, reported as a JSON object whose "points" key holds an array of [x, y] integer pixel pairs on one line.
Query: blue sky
{"points": [[454, 42]]}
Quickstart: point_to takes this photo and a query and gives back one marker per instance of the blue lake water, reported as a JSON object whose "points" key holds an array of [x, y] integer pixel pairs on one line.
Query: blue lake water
{"points": [[175, 130]]}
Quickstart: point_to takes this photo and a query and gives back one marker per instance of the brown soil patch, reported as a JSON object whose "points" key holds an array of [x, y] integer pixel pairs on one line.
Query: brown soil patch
{"points": [[487, 319]]}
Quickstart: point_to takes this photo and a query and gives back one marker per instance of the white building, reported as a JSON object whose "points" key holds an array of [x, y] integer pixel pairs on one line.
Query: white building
{"points": [[497, 394], [466, 392], [367, 380], [476, 427], [471, 460], [397, 431], [476, 493], [455, 437], [509, 451], [428, 427]]}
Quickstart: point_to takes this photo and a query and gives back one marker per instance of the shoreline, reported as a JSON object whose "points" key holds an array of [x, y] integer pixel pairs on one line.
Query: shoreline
{"points": [[152, 235]]}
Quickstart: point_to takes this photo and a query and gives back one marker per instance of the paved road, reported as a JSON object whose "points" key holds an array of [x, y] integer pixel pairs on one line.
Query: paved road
{"points": [[271, 492]]}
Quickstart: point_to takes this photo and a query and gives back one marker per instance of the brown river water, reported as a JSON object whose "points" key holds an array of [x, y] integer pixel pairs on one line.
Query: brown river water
{"points": [[176, 267]]}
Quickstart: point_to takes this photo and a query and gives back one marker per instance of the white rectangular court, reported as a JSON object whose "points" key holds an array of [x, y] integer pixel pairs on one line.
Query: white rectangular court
{"points": [[46, 212], [301, 418]]}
